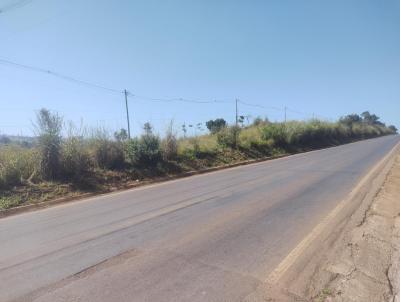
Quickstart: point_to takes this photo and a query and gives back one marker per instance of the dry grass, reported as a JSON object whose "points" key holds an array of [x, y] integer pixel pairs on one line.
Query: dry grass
{"points": [[17, 165]]}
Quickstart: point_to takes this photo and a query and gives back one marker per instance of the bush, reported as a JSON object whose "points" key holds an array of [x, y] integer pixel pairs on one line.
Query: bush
{"points": [[10, 202], [169, 144], [107, 154], [227, 137], [144, 151], [275, 132], [75, 159], [316, 133], [251, 138], [310, 134]]}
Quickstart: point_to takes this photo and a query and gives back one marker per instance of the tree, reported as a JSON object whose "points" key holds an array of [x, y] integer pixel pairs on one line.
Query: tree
{"points": [[216, 125], [393, 128], [148, 128], [258, 121], [241, 120], [350, 119], [184, 129], [121, 135], [169, 144], [48, 128], [370, 119], [4, 139]]}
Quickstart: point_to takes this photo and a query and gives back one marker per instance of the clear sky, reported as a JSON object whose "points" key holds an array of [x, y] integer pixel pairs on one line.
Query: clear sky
{"points": [[327, 58]]}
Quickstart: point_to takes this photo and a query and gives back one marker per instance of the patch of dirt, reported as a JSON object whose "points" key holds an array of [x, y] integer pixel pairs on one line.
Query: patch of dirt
{"points": [[367, 266]]}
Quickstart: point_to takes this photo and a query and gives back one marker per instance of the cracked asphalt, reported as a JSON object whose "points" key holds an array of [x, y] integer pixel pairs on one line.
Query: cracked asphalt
{"points": [[366, 266]]}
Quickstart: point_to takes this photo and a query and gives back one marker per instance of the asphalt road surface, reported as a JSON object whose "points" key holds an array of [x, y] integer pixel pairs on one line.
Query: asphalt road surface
{"points": [[211, 237]]}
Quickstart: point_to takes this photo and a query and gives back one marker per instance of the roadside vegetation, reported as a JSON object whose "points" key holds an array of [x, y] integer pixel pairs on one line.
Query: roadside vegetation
{"points": [[65, 160]]}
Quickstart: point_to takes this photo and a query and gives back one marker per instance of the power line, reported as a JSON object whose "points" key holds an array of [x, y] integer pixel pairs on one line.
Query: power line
{"points": [[260, 106], [139, 97], [284, 109], [169, 100], [298, 112], [14, 5], [58, 75]]}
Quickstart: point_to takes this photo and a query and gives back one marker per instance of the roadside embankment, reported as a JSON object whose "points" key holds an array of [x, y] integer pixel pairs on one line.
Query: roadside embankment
{"points": [[64, 163], [366, 264]]}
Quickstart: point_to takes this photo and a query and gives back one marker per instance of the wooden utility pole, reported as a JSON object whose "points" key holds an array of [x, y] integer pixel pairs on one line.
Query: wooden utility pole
{"points": [[285, 114], [236, 122], [127, 113]]}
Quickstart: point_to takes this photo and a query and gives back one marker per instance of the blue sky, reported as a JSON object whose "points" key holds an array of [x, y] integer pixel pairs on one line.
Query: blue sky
{"points": [[326, 58]]}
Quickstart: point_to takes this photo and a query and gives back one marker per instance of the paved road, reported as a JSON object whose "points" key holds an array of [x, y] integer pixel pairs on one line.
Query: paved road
{"points": [[212, 237]]}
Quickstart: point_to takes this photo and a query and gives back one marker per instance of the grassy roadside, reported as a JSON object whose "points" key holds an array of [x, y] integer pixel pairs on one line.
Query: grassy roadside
{"points": [[102, 181], [69, 165]]}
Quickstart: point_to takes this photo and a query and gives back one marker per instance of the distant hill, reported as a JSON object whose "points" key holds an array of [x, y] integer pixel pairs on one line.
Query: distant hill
{"points": [[17, 139]]}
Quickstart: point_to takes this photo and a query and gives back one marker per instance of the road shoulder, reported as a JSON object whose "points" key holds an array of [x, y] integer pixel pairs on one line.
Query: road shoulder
{"points": [[304, 273], [365, 263]]}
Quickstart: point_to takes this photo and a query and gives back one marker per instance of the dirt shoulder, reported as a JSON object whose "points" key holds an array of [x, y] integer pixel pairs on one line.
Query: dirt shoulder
{"points": [[365, 265]]}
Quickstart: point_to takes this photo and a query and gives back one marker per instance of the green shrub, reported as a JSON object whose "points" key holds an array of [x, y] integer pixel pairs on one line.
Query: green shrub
{"points": [[146, 150], [10, 202], [251, 137], [227, 137], [342, 133], [190, 148], [316, 133], [106, 153], [275, 132], [206, 143], [109, 154], [75, 159]]}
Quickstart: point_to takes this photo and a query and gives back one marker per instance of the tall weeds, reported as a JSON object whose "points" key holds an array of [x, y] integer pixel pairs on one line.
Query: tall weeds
{"points": [[17, 165]]}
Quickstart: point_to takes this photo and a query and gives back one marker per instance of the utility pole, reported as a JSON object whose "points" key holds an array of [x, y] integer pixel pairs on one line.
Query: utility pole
{"points": [[285, 114], [127, 113], [236, 119], [236, 123]]}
